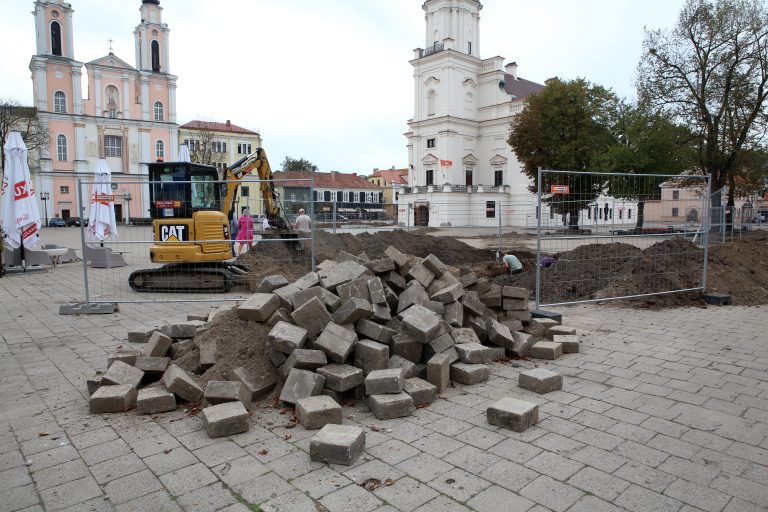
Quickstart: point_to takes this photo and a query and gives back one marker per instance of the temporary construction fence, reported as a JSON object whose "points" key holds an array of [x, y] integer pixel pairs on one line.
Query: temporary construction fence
{"points": [[622, 236]]}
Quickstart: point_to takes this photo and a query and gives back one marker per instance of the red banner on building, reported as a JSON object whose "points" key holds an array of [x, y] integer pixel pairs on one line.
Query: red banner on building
{"points": [[446, 163]]}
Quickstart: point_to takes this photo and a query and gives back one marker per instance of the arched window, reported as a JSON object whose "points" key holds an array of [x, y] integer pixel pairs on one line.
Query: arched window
{"points": [[155, 56], [160, 149], [159, 111], [55, 38], [431, 103], [59, 102], [113, 100], [61, 148]]}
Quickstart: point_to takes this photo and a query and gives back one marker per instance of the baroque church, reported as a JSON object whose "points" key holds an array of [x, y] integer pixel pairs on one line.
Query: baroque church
{"points": [[128, 114]]}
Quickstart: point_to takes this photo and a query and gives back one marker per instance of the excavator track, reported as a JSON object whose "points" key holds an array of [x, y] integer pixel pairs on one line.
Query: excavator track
{"points": [[188, 278]]}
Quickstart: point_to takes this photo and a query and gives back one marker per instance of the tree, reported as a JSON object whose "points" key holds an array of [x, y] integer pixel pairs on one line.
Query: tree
{"points": [[301, 165], [710, 73], [203, 148], [15, 117], [566, 127]]}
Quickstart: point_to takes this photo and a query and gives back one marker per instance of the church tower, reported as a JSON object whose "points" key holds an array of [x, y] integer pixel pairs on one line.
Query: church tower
{"points": [[152, 39], [454, 21]]}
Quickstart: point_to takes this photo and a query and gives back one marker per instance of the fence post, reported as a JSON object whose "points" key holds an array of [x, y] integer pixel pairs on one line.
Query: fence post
{"points": [[707, 200], [312, 216], [501, 234], [82, 239], [334, 217], [538, 244]]}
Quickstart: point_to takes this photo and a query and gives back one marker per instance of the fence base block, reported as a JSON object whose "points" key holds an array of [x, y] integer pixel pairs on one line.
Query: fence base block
{"points": [[717, 299], [89, 309], [540, 313]]}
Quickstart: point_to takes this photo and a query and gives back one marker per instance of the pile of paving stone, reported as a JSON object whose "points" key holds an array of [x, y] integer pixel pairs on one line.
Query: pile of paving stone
{"points": [[393, 332]]}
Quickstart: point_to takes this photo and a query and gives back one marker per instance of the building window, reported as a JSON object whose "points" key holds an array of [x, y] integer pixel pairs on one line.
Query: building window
{"points": [[327, 195], [159, 111], [675, 195], [55, 38], [243, 149], [113, 146], [469, 48], [629, 213], [490, 209], [431, 103], [159, 149], [155, 56], [218, 147], [61, 148], [314, 195], [675, 212], [362, 197], [430, 176], [64, 189], [498, 178], [381, 197], [113, 101], [431, 143], [245, 191], [351, 197], [59, 102], [339, 197], [468, 177], [621, 213], [293, 197]]}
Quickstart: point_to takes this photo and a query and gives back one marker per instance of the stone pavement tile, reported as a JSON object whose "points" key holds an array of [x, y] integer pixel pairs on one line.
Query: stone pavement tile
{"points": [[240, 470], [70, 493], [294, 501], [554, 465], [748, 490], [598, 483], [723, 461], [187, 479], [60, 474], [598, 438], [449, 426], [320, 482], [691, 471], [237, 507], [626, 415], [697, 495], [644, 476], [479, 437], [104, 451], [17, 498], [294, 465], [707, 440], [123, 465], [406, 494], [270, 449], [737, 505], [408, 432], [552, 494], [132, 486], [516, 451], [254, 434], [459, 485], [393, 451], [593, 504], [151, 446], [199, 439], [207, 499], [351, 498], [263, 488], [442, 504], [665, 427], [219, 453], [43, 443], [558, 444], [424, 467], [509, 475], [159, 501], [498, 499], [471, 459], [375, 469], [558, 409], [560, 426], [673, 446], [637, 499], [93, 437], [176, 458], [14, 477], [53, 457], [99, 504], [632, 432], [641, 453], [437, 444], [11, 459]]}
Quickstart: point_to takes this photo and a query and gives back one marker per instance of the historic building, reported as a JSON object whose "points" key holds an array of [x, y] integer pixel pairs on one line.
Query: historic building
{"points": [[350, 195], [126, 114]]}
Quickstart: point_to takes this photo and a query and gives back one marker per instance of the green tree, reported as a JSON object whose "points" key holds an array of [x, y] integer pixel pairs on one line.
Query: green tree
{"points": [[566, 127], [300, 165], [710, 73]]}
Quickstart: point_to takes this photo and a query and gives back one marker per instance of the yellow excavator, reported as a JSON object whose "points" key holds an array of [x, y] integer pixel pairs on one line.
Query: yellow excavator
{"points": [[191, 205]]}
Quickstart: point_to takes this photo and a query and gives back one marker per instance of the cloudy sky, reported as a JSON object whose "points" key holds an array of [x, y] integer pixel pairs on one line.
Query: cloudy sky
{"points": [[330, 81]]}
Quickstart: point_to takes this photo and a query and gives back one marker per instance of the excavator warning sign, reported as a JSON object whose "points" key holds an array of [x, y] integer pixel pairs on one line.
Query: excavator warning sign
{"points": [[174, 233]]}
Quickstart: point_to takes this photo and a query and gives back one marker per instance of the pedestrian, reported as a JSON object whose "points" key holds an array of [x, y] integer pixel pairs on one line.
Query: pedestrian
{"points": [[245, 231], [303, 222], [265, 225], [512, 265]]}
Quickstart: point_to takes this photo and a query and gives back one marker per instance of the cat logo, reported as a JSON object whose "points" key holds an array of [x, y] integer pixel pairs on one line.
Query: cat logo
{"points": [[171, 233]]}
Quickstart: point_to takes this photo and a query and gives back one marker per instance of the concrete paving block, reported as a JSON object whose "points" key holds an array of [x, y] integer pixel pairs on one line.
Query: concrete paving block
{"points": [[439, 371], [342, 273], [474, 353], [340, 397], [492, 297], [157, 345], [394, 281], [140, 335], [464, 335], [377, 332], [127, 356], [287, 295], [499, 334], [381, 313], [546, 350], [380, 382], [392, 299], [376, 291], [258, 385], [258, 307], [421, 371], [381, 266], [318, 411], [225, 419], [409, 369], [473, 305], [512, 325], [433, 263], [355, 288], [497, 353], [477, 324], [540, 380], [522, 345], [559, 330], [120, 373], [469, 374], [341, 377], [118, 398], [406, 347], [301, 384], [281, 315], [570, 342], [514, 292], [391, 406], [450, 294], [516, 415], [285, 337], [93, 384], [421, 324], [276, 358], [337, 444], [181, 330], [468, 280], [514, 304], [153, 367], [371, 355], [400, 259], [436, 285], [182, 385], [302, 296], [437, 308], [344, 256], [208, 352], [421, 391], [154, 401], [271, 283], [413, 294], [307, 281], [482, 285], [419, 272], [221, 391], [312, 316], [180, 348], [337, 342], [437, 346], [352, 310], [523, 316], [304, 359]]}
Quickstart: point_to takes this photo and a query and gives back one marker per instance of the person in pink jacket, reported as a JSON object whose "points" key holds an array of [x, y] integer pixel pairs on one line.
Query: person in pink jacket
{"points": [[244, 231]]}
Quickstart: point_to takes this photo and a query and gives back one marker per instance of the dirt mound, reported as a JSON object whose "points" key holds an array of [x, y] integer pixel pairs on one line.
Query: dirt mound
{"points": [[740, 269]]}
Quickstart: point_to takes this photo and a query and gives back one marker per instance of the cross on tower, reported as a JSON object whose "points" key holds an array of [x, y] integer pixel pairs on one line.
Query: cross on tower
{"points": [[110, 41]]}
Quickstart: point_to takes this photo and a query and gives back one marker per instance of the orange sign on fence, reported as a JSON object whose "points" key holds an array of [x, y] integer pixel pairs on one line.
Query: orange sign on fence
{"points": [[561, 189]]}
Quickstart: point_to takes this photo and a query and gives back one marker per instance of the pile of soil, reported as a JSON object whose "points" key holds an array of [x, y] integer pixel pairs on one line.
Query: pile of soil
{"points": [[740, 269]]}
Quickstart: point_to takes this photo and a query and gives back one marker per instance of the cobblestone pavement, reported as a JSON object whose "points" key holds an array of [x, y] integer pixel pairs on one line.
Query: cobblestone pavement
{"points": [[661, 411]]}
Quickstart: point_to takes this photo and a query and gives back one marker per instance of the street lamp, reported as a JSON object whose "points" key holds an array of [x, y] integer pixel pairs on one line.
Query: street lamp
{"points": [[127, 198], [45, 196]]}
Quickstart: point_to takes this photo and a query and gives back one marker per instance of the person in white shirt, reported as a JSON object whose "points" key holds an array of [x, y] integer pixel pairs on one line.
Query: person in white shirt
{"points": [[265, 225], [303, 222]]}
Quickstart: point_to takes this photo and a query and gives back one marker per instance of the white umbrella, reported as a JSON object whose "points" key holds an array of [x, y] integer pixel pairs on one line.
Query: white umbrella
{"points": [[18, 207], [101, 222], [184, 154]]}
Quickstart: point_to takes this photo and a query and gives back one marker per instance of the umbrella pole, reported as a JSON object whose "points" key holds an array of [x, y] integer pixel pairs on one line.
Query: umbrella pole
{"points": [[23, 259]]}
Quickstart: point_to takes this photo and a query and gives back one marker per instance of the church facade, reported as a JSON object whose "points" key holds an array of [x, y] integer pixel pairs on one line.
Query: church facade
{"points": [[126, 114]]}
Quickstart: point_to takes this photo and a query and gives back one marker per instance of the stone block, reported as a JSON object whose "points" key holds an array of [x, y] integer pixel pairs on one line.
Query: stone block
{"points": [[523, 316], [371, 355], [558, 330], [468, 280], [181, 348], [258, 385], [433, 263], [439, 371], [340, 397], [380, 382], [182, 330], [492, 297], [469, 374], [546, 350], [93, 384], [570, 342], [497, 353], [513, 325], [421, 324], [118, 398], [540, 380], [225, 419], [154, 401], [287, 295], [304, 359], [450, 294], [318, 411], [376, 291], [408, 368], [337, 444], [377, 332], [301, 384], [157, 345], [342, 273], [221, 391], [208, 352], [392, 298], [140, 335], [307, 281], [302, 296], [437, 346], [421, 273], [394, 281], [421, 391], [412, 295], [522, 346], [258, 307], [352, 310], [464, 335], [341, 377], [473, 353], [421, 371], [514, 292], [499, 335], [400, 259], [271, 283], [153, 367], [381, 266], [478, 325], [182, 385], [514, 304], [391, 406], [312, 316], [437, 308], [277, 358], [120, 373], [355, 288], [516, 415], [285, 337], [482, 285], [436, 285], [127, 356], [381, 313], [337, 342], [406, 347], [281, 315], [472, 304]]}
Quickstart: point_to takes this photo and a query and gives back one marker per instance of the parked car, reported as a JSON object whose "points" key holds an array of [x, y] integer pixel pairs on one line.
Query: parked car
{"points": [[75, 221], [57, 222]]}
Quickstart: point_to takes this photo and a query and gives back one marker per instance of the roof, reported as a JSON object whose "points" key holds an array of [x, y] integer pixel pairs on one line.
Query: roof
{"points": [[324, 180], [394, 176], [112, 61], [520, 87], [214, 126]]}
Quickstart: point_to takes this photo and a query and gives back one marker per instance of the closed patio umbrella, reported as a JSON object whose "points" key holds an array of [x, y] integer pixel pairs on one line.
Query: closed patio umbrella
{"points": [[184, 154], [18, 206], [101, 222]]}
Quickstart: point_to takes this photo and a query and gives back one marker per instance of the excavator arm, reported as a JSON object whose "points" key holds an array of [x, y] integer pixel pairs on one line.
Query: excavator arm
{"points": [[258, 164]]}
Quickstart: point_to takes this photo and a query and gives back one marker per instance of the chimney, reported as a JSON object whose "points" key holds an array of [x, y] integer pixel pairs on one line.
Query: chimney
{"points": [[511, 69], [229, 123], [354, 174]]}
